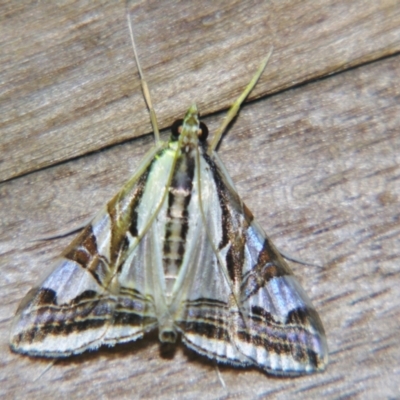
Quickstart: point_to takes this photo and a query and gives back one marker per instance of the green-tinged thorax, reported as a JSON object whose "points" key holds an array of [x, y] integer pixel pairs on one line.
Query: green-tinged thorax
{"points": [[190, 129]]}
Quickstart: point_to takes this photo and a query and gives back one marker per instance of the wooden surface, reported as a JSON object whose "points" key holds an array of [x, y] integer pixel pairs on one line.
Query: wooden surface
{"points": [[316, 160]]}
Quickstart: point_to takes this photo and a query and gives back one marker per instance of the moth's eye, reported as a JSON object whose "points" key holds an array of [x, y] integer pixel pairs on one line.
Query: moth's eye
{"points": [[203, 133], [176, 129]]}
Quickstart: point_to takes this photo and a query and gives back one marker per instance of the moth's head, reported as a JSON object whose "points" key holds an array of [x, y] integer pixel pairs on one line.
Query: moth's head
{"points": [[189, 130]]}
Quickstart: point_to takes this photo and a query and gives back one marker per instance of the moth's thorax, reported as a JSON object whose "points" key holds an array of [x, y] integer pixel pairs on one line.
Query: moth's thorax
{"points": [[190, 129]]}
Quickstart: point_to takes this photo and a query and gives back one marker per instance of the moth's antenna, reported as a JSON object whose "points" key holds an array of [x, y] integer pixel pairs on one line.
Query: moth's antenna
{"points": [[236, 105], [145, 88]]}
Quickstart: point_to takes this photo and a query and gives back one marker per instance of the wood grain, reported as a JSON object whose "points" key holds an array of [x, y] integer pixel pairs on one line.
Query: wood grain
{"points": [[316, 160]]}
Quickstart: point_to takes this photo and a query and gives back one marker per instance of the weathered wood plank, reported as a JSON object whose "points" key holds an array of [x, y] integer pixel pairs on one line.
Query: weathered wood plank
{"points": [[318, 166], [69, 79]]}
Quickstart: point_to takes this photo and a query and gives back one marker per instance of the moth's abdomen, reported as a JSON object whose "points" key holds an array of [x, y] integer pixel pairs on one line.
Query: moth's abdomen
{"points": [[177, 219]]}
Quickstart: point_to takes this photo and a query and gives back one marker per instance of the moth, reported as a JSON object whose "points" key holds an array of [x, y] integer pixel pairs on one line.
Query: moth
{"points": [[176, 250]]}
